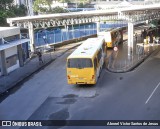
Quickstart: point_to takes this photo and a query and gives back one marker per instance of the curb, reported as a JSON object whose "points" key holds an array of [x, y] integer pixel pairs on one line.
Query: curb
{"points": [[21, 81], [136, 64]]}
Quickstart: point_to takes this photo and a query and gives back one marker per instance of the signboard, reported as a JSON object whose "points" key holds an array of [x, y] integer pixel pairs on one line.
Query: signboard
{"points": [[115, 49]]}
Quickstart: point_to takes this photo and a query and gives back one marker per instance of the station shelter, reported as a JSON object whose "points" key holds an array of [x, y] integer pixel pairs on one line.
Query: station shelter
{"points": [[13, 49]]}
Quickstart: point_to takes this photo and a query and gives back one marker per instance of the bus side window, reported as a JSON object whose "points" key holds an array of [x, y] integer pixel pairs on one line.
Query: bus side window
{"points": [[95, 63]]}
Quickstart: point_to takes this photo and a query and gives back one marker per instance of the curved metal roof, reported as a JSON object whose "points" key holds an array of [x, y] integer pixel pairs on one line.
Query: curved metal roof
{"points": [[133, 14], [85, 13]]}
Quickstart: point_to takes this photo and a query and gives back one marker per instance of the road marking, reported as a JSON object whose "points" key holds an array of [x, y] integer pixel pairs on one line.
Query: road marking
{"points": [[152, 93]]}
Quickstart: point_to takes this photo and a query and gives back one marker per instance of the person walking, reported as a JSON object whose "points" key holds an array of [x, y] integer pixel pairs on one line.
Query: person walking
{"points": [[40, 57], [136, 37]]}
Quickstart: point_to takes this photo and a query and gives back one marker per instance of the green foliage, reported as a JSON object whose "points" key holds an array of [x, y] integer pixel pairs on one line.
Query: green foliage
{"points": [[5, 4], [49, 2], [80, 5], [38, 5], [58, 10], [83, 1], [8, 10], [19, 10], [4, 15], [65, 1]]}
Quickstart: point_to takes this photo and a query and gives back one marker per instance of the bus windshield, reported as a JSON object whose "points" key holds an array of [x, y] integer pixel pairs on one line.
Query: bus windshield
{"points": [[80, 63]]}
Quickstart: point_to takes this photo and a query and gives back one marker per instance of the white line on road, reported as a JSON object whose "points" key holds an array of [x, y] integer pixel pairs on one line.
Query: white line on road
{"points": [[152, 93]]}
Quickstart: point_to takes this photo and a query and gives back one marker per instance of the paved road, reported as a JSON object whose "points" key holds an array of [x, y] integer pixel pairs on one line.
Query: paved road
{"points": [[116, 96]]}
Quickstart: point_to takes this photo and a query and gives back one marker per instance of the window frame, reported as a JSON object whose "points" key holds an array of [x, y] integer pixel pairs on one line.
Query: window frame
{"points": [[79, 63]]}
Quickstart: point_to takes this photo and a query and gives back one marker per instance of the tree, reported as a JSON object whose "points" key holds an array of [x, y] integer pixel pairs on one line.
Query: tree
{"points": [[82, 1], [39, 4], [65, 1], [58, 10], [8, 9], [80, 5], [19, 10], [5, 4], [4, 15], [49, 3]]}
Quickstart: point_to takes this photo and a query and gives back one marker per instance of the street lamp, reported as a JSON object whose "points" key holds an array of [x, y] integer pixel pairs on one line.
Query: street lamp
{"points": [[76, 5], [47, 47], [44, 38]]}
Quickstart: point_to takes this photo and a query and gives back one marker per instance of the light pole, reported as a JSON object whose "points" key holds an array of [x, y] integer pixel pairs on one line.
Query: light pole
{"points": [[46, 45], [76, 5], [44, 38]]}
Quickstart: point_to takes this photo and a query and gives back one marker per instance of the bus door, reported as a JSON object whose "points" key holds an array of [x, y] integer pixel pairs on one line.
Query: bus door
{"points": [[95, 68]]}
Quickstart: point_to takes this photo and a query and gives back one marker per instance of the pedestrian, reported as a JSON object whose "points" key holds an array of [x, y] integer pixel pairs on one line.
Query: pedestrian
{"points": [[141, 34], [40, 57], [136, 37], [148, 39], [154, 39], [151, 38]]}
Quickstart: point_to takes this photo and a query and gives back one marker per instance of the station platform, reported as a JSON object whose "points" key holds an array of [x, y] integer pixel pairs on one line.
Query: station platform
{"points": [[124, 61], [32, 66]]}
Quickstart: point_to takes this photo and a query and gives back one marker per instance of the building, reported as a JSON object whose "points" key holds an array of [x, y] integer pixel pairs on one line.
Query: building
{"points": [[13, 49], [110, 4]]}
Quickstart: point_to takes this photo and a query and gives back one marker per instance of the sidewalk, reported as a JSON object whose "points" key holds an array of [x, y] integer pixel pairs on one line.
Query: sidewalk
{"points": [[120, 61], [21, 74]]}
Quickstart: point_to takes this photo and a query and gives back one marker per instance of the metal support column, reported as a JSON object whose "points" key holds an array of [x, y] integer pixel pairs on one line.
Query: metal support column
{"points": [[3, 65], [130, 38], [31, 36], [98, 27], [29, 4], [67, 32], [20, 55]]}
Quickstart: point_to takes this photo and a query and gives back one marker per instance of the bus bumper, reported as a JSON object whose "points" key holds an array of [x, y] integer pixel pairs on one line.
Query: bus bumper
{"points": [[82, 82]]}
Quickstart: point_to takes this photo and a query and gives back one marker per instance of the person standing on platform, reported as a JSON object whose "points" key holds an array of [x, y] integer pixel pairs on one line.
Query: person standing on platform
{"points": [[40, 57], [151, 38], [136, 37]]}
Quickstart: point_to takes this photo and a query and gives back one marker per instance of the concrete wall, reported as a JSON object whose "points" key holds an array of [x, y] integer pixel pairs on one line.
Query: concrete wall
{"points": [[10, 69], [9, 31], [10, 52], [9, 56]]}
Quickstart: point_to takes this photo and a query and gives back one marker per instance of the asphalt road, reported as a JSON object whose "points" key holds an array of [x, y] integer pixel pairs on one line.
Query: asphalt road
{"points": [[117, 96]]}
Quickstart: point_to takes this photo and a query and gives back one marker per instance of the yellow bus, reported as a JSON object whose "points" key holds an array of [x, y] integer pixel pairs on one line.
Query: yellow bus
{"points": [[112, 36], [85, 63]]}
